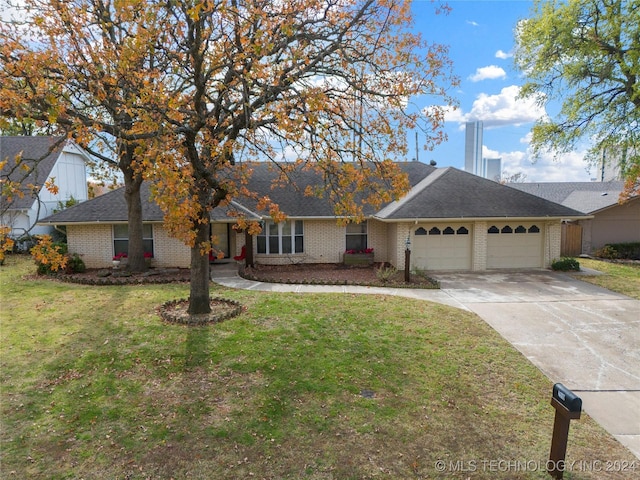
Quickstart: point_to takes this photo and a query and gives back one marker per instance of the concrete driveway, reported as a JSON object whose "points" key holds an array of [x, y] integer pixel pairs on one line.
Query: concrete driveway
{"points": [[578, 334]]}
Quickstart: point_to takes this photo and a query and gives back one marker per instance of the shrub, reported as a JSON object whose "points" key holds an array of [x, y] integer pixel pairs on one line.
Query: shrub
{"points": [[620, 251], [566, 264], [75, 264], [385, 274], [49, 257], [6, 242], [607, 252]]}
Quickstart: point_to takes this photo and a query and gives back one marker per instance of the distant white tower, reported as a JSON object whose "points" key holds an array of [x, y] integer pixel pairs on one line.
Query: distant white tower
{"points": [[490, 168], [493, 168], [473, 148]]}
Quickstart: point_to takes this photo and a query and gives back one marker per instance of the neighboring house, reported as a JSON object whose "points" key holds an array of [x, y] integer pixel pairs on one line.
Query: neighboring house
{"points": [[610, 222], [42, 159], [453, 221]]}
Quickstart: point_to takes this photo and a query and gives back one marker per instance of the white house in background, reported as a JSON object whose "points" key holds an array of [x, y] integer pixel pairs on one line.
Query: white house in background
{"points": [[42, 159]]}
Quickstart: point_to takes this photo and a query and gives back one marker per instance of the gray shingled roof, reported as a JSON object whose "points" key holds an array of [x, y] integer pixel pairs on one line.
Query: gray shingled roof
{"points": [[587, 197], [452, 193], [107, 208], [295, 203], [39, 153], [436, 193], [111, 207]]}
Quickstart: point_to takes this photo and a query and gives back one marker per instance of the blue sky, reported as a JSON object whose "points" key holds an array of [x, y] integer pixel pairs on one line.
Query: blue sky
{"points": [[481, 40]]}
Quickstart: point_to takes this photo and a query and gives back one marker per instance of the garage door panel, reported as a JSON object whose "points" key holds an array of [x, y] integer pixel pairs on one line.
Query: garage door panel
{"points": [[436, 251], [514, 250]]}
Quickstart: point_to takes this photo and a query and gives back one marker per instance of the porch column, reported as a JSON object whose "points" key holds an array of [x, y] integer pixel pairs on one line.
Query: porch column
{"points": [[248, 255]]}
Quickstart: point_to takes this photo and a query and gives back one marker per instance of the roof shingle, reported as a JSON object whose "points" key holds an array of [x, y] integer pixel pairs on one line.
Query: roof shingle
{"points": [[39, 154], [452, 193], [437, 193], [586, 197]]}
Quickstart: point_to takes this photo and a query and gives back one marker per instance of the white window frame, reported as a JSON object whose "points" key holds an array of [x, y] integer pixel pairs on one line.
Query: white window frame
{"points": [[146, 240], [268, 237], [357, 230]]}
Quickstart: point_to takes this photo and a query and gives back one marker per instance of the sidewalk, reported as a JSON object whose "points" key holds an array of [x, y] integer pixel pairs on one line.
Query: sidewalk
{"points": [[227, 275]]}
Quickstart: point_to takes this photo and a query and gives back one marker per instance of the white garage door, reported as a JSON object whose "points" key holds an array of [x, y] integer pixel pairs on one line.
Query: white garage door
{"points": [[442, 247], [514, 246]]}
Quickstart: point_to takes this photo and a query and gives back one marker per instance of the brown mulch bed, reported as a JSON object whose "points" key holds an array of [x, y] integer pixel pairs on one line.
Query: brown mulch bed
{"points": [[336, 274], [309, 274], [222, 309], [109, 276]]}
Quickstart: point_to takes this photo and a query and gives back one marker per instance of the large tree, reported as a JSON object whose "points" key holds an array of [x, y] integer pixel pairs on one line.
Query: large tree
{"points": [[326, 82], [86, 67], [586, 54]]}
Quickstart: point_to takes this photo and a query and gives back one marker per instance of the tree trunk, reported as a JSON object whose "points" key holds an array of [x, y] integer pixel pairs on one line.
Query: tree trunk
{"points": [[135, 252], [199, 286], [132, 183]]}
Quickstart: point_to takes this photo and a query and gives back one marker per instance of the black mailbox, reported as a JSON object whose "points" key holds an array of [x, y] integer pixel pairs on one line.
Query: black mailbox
{"points": [[567, 398], [568, 407]]}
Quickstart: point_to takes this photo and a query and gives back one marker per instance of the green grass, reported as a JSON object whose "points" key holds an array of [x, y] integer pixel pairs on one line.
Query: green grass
{"points": [[96, 386], [619, 277]]}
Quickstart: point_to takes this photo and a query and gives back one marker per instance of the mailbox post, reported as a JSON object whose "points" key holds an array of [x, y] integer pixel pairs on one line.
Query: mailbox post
{"points": [[568, 406], [407, 260]]}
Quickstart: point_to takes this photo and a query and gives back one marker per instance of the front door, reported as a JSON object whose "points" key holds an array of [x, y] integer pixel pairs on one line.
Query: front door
{"points": [[220, 238]]}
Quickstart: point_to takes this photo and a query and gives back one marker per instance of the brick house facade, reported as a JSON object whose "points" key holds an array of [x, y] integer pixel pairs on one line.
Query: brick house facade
{"points": [[452, 220]]}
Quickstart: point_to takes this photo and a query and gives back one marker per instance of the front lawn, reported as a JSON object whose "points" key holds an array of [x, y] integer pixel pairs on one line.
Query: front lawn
{"points": [[299, 386], [618, 277]]}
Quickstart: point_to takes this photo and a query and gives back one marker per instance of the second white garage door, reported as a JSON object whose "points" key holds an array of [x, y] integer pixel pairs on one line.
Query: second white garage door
{"points": [[514, 246], [442, 247]]}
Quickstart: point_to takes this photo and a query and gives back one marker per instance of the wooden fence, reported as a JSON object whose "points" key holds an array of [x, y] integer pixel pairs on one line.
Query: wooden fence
{"points": [[571, 240]]}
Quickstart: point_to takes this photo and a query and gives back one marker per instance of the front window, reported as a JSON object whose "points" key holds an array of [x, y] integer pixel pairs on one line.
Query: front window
{"points": [[357, 236], [121, 239], [281, 238]]}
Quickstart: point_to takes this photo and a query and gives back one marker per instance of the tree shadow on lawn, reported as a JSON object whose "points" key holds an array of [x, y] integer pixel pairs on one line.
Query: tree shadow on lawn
{"points": [[121, 393]]}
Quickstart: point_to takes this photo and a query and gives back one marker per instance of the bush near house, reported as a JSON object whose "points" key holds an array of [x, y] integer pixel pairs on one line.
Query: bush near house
{"points": [[6, 242], [52, 257], [566, 264], [620, 251]]}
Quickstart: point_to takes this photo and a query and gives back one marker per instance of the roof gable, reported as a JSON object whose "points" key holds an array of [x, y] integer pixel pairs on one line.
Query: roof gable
{"points": [[40, 154], [452, 193]]}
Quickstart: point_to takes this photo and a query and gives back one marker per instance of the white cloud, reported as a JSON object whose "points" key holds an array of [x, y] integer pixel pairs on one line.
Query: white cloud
{"points": [[499, 110], [527, 138], [570, 167], [472, 23], [490, 72], [503, 55]]}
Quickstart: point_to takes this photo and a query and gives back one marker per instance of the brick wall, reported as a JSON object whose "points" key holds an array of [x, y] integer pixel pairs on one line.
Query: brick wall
{"points": [[479, 259], [324, 242], [392, 246], [168, 251], [553, 242], [93, 242], [377, 239]]}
